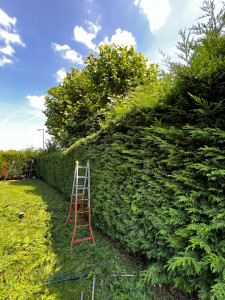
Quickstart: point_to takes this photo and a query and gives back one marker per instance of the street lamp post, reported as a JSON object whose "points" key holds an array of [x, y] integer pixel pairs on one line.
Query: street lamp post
{"points": [[43, 137]]}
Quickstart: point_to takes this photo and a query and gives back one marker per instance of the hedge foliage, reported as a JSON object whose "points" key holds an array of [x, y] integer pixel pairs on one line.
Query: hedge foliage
{"points": [[157, 170], [159, 192], [21, 157]]}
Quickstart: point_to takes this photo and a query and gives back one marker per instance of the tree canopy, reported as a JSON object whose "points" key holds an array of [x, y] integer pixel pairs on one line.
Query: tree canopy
{"points": [[77, 106], [197, 92]]}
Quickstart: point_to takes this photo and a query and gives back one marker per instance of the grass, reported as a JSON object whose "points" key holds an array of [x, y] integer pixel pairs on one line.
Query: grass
{"points": [[38, 248]]}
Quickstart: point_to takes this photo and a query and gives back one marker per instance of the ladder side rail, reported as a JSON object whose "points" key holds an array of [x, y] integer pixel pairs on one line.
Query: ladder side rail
{"points": [[31, 167], [16, 171], [77, 175], [85, 180], [89, 179], [74, 178], [89, 201], [9, 170], [84, 188], [75, 223]]}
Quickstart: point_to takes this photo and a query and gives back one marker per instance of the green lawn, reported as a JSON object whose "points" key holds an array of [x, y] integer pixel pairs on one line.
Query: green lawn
{"points": [[38, 248]]}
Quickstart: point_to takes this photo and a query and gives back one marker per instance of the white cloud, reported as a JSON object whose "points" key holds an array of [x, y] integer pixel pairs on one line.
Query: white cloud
{"points": [[37, 101], [156, 11], [60, 75], [86, 37], [73, 56], [8, 36], [4, 61], [8, 50], [183, 15], [61, 48], [121, 37], [5, 20], [68, 54]]}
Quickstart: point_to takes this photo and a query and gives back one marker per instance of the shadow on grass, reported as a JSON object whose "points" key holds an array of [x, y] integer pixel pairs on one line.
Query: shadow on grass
{"points": [[102, 258], [61, 257]]}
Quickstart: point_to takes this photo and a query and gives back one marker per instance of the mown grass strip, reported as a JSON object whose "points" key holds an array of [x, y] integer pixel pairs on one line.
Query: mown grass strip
{"points": [[38, 247]]}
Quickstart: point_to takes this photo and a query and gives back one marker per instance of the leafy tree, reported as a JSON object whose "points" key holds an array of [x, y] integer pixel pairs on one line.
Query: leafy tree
{"points": [[51, 146], [197, 95], [69, 108], [115, 71], [76, 107]]}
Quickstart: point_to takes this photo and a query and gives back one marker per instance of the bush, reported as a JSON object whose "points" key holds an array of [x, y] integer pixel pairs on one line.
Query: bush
{"points": [[20, 157]]}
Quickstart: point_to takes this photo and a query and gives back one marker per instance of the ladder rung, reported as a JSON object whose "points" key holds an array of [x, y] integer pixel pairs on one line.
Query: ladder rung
{"points": [[79, 212], [82, 177], [73, 221], [79, 201], [82, 188], [82, 225], [84, 239], [83, 167]]}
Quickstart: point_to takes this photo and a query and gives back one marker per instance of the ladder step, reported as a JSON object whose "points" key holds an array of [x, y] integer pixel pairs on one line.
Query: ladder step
{"points": [[84, 239], [82, 225], [83, 167], [82, 177], [73, 221], [79, 212], [80, 200]]}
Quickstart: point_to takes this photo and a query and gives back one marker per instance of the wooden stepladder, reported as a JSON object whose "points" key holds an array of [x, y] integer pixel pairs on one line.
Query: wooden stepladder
{"points": [[80, 201]]}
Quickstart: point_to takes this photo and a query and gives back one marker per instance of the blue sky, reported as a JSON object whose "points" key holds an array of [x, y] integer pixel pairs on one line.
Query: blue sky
{"points": [[41, 40]]}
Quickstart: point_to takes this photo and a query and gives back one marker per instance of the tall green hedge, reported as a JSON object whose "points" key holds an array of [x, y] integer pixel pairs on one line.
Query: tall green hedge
{"points": [[159, 191], [158, 168]]}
